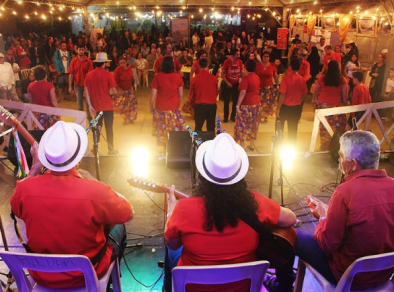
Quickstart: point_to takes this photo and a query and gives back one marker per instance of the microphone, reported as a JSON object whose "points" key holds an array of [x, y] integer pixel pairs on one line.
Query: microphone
{"points": [[218, 126], [95, 121], [192, 134]]}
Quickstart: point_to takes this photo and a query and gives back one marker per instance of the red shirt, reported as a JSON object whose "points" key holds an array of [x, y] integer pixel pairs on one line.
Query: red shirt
{"points": [[294, 87], [157, 65], [167, 86], [232, 70], [196, 68], [330, 94], [233, 245], [99, 81], [40, 92], [266, 74], [203, 89], [361, 94], [80, 69], [250, 83], [66, 214], [124, 77], [359, 222], [333, 56], [305, 70]]}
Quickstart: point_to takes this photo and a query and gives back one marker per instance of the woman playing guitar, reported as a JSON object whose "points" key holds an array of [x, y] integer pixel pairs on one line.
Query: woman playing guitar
{"points": [[210, 228]]}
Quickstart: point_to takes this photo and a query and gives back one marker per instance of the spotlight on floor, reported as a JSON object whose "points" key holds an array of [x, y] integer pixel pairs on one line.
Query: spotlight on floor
{"points": [[139, 158], [287, 156]]}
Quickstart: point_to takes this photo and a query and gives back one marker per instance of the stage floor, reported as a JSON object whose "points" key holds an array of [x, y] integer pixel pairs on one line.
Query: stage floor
{"points": [[315, 175]]}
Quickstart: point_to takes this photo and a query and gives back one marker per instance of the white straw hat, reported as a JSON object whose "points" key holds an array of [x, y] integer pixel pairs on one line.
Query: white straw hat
{"points": [[222, 161], [101, 57], [348, 41], [62, 146]]}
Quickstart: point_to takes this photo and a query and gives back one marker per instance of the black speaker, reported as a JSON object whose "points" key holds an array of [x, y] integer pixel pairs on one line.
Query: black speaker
{"points": [[11, 154], [179, 145]]}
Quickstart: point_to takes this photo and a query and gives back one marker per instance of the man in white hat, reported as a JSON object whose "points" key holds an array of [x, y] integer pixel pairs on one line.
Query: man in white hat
{"points": [[210, 228], [97, 86], [7, 80], [66, 211]]}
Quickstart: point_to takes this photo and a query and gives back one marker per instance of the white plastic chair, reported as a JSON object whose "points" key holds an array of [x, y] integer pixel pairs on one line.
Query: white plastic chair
{"points": [[17, 261], [372, 263], [25, 73], [220, 274]]}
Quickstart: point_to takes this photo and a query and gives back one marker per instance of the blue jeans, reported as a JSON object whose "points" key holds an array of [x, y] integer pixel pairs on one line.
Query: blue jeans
{"points": [[309, 251], [171, 260]]}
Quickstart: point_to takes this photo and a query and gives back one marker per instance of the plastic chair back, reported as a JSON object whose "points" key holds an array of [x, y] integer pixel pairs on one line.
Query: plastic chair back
{"points": [[25, 73], [16, 262], [372, 263], [220, 274]]}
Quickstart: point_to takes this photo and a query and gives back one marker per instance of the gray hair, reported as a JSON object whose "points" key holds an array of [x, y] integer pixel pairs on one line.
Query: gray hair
{"points": [[362, 146]]}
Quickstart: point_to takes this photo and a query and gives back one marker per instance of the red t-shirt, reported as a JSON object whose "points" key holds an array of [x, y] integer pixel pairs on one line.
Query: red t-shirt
{"points": [[203, 89], [330, 94], [361, 94], [66, 214], [167, 86], [157, 65], [250, 83], [305, 70], [266, 74], [196, 68], [233, 245], [294, 87], [333, 56], [79, 69], [40, 92], [124, 77], [359, 223], [99, 81], [232, 70]]}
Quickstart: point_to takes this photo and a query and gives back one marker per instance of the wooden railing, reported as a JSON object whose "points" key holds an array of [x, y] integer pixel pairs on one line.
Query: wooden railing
{"points": [[370, 109]]}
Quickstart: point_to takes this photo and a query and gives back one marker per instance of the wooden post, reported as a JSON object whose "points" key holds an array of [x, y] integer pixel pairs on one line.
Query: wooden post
{"points": [[86, 20]]}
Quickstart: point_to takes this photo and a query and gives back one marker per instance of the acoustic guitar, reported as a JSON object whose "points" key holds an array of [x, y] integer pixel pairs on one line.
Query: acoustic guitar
{"points": [[277, 245]]}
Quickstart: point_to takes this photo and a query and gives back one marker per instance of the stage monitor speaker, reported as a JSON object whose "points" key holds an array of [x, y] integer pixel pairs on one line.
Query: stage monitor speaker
{"points": [[179, 146], [11, 155]]}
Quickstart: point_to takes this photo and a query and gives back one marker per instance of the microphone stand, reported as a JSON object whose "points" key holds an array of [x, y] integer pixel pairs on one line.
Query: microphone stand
{"points": [[196, 142], [219, 126], [96, 130], [276, 142]]}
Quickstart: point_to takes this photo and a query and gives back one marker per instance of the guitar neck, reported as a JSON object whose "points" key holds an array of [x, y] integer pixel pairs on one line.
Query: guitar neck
{"points": [[22, 130]]}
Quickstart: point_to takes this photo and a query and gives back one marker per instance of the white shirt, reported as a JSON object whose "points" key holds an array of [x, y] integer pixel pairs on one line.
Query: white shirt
{"points": [[208, 41], [195, 39], [389, 85], [64, 56], [351, 68], [322, 54], [7, 78]]}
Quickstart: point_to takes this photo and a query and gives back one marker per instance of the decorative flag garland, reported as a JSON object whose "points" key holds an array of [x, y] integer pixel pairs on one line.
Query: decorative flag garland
{"points": [[23, 168]]}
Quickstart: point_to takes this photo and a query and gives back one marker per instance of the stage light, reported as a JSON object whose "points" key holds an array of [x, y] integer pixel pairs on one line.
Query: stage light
{"points": [[287, 156], [140, 161]]}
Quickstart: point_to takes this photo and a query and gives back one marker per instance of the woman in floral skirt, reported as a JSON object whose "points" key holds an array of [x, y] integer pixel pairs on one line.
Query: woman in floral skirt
{"points": [[248, 107], [268, 92], [166, 95], [126, 102]]}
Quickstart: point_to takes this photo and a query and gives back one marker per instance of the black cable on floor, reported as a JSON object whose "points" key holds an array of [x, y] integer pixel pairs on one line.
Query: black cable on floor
{"points": [[139, 282]]}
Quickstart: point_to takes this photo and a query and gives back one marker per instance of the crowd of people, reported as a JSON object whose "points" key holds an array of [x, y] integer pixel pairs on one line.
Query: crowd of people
{"points": [[67, 61]]}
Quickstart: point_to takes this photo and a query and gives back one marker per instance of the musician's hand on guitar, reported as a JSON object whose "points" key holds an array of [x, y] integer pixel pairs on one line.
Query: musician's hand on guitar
{"points": [[37, 166], [171, 199]]}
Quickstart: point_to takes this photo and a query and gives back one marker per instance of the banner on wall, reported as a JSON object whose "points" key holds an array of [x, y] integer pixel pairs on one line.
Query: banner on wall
{"points": [[281, 41], [180, 30]]}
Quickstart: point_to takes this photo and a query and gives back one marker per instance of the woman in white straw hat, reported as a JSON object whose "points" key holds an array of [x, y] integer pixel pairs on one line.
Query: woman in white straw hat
{"points": [[207, 229], [66, 211]]}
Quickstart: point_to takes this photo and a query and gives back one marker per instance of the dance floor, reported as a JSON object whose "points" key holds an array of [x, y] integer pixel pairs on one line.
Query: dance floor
{"points": [[314, 175]]}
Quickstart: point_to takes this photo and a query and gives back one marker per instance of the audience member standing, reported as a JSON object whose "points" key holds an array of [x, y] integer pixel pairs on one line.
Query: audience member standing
{"points": [[305, 67], [331, 56], [195, 70], [248, 107], [268, 94], [166, 95], [97, 86], [62, 63], [79, 67], [361, 95], [49, 51], [332, 91], [320, 47], [231, 74], [202, 96], [314, 61], [292, 90], [126, 101], [7, 80], [37, 55], [377, 78], [42, 92]]}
